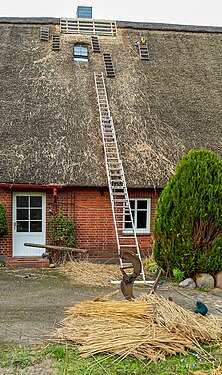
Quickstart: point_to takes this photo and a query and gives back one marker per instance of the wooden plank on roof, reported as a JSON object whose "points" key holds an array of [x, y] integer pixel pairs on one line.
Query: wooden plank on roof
{"points": [[55, 42], [44, 33], [144, 52], [88, 26]]}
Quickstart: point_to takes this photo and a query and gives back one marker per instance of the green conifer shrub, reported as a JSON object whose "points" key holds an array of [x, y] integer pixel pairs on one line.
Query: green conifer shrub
{"points": [[188, 221], [3, 221]]}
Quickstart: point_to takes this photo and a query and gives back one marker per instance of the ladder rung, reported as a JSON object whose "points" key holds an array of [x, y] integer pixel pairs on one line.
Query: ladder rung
{"points": [[119, 181], [126, 237], [120, 200], [117, 187]]}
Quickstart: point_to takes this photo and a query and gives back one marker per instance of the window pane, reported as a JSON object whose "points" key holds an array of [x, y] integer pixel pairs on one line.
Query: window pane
{"points": [[35, 226], [132, 204], [127, 225], [141, 219], [142, 204], [127, 218], [22, 214], [22, 201], [35, 201], [77, 50], [80, 52], [84, 52], [22, 226], [36, 214]]}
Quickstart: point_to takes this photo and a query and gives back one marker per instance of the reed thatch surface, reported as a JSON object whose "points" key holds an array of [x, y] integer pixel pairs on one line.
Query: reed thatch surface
{"points": [[151, 327], [49, 121], [89, 273]]}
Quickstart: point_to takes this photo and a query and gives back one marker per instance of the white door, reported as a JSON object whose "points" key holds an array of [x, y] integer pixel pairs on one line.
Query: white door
{"points": [[29, 221]]}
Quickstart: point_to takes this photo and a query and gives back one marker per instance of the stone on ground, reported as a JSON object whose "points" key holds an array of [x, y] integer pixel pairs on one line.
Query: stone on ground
{"points": [[218, 280], [205, 280], [188, 283]]}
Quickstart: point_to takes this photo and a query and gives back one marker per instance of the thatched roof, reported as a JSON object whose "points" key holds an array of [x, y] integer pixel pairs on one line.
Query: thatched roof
{"points": [[49, 120]]}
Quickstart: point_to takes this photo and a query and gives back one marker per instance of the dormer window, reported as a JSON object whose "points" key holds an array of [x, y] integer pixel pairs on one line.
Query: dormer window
{"points": [[80, 52]]}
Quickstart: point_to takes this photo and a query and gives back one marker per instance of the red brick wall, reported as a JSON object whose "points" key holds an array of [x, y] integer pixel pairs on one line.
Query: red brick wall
{"points": [[95, 228], [91, 209], [6, 241]]}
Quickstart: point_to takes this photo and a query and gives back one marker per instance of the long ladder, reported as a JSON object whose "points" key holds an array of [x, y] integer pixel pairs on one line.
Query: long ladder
{"points": [[123, 219]]}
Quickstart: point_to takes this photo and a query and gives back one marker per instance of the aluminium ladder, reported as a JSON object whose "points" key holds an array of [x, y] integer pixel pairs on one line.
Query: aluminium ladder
{"points": [[123, 220]]}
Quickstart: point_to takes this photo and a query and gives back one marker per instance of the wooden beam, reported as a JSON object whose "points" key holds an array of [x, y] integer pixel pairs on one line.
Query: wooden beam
{"points": [[52, 247]]}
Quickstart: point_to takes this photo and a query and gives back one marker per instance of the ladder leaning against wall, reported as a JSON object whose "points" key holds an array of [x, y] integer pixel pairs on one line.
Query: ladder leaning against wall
{"points": [[122, 215]]}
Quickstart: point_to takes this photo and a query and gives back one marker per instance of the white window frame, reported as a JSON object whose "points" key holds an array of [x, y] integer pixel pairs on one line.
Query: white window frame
{"points": [[82, 56], [148, 216]]}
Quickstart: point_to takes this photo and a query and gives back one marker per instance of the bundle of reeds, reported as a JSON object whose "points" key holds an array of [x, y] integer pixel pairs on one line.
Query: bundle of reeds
{"points": [[85, 272], [151, 327]]}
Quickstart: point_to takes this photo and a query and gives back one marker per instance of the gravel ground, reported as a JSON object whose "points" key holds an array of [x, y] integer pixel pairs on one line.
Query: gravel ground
{"points": [[33, 303]]}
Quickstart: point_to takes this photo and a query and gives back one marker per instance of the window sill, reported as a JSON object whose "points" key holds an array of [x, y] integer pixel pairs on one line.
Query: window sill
{"points": [[145, 233]]}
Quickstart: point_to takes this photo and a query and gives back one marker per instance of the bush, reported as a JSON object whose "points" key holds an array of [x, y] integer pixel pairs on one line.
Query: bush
{"points": [[3, 221], [62, 230], [188, 221], [178, 274], [150, 266]]}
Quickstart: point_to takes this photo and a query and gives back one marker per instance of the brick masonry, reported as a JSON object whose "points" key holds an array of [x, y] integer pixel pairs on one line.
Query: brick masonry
{"points": [[91, 209]]}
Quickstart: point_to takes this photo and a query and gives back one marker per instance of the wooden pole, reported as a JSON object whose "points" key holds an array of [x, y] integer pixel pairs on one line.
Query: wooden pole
{"points": [[154, 288], [52, 247]]}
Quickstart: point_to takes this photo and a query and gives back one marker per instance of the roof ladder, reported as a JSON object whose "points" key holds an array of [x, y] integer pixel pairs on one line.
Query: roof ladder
{"points": [[95, 43], [109, 67], [44, 33], [144, 52], [55, 42], [122, 215]]}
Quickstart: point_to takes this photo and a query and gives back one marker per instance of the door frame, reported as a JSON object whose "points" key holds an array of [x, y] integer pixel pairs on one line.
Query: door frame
{"points": [[27, 193]]}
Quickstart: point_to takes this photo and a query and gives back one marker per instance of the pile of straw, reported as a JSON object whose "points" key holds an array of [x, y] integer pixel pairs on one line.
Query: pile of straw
{"points": [[88, 273], [151, 327]]}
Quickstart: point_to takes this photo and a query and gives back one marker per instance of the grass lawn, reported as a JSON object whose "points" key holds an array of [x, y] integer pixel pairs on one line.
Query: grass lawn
{"points": [[66, 361]]}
